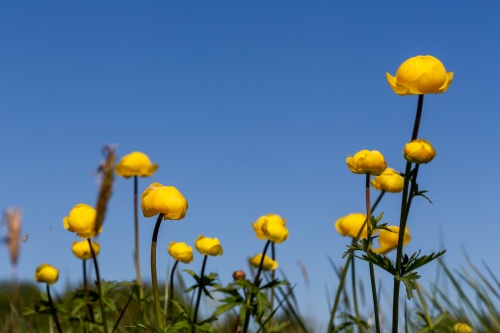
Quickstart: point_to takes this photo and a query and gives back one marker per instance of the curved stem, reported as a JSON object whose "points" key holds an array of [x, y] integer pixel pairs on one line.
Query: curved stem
{"points": [[200, 289], [136, 243], [154, 278], [171, 290], [372, 272], [251, 295], [99, 287], [86, 289], [405, 209], [54, 313]]}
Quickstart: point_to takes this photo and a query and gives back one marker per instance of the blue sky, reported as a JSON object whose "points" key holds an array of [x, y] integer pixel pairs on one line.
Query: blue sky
{"points": [[249, 108]]}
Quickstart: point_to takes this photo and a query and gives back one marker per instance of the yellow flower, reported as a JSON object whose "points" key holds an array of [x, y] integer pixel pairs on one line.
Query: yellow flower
{"points": [[46, 273], [81, 249], [389, 181], [420, 75], [181, 251], [462, 328], [168, 200], [257, 225], [351, 224], [208, 246], [389, 239], [365, 161], [268, 265], [135, 164], [81, 220], [419, 151]]}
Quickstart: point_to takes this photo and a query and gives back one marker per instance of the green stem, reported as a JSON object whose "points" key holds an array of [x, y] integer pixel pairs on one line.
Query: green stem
{"points": [[200, 289], [99, 287], [355, 296], [424, 306], [405, 209], [86, 289], [136, 243], [350, 258], [171, 290], [372, 271], [54, 312], [273, 277], [251, 295], [154, 277]]}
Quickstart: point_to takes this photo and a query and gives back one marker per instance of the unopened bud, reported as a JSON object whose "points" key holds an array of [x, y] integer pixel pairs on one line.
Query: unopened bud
{"points": [[239, 275]]}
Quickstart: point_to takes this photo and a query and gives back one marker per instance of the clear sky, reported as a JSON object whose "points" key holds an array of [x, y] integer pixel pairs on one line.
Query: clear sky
{"points": [[249, 108]]}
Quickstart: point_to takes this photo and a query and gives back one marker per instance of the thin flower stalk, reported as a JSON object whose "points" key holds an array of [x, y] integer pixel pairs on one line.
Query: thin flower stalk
{"points": [[171, 290], [86, 290], [405, 209], [99, 287], [136, 242], [54, 312], [200, 289], [154, 277]]}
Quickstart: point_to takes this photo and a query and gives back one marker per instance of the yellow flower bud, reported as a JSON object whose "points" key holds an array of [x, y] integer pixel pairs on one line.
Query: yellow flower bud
{"points": [[81, 249], [462, 328], [168, 200], [208, 246], [365, 161], [389, 239], [268, 265], [419, 151], [420, 75], [351, 224], [274, 229], [46, 273], [135, 164], [181, 251], [81, 220], [389, 181]]}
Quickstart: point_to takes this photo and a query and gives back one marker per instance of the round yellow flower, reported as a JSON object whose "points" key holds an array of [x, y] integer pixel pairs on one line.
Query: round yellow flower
{"points": [[181, 251], [365, 161], [135, 164], [462, 328], [268, 265], [81, 249], [46, 273], [81, 220], [420, 75], [168, 200], [389, 239], [419, 151], [351, 224], [208, 246], [389, 181], [257, 225]]}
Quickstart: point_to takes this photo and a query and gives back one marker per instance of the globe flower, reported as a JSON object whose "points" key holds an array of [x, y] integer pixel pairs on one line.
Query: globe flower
{"points": [[419, 151], [462, 328], [275, 227], [135, 164], [81, 220], [168, 200], [420, 75], [389, 239], [81, 249], [268, 265], [208, 246], [181, 251], [389, 181], [351, 224], [365, 161], [46, 273]]}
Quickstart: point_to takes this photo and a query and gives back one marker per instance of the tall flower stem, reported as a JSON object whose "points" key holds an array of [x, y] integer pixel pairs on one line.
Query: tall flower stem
{"points": [[405, 209], [256, 282], [200, 289], [99, 287], [350, 258], [355, 295], [136, 242], [54, 313], [86, 290], [154, 277], [171, 290], [273, 277], [372, 272]]}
